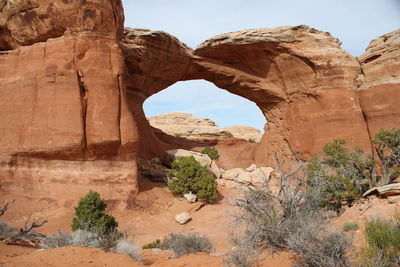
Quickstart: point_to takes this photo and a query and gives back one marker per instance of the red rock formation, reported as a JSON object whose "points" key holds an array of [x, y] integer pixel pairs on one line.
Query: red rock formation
{"points": [[380, 89], [65, 121], [300, 78], [72, 85]]}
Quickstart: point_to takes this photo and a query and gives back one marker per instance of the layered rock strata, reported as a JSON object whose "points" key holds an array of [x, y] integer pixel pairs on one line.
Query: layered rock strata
{"points": [[72, 85], [65, 121]]}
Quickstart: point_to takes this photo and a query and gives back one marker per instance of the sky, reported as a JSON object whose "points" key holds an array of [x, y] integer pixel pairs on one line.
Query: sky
{"points": [[354, 22]]}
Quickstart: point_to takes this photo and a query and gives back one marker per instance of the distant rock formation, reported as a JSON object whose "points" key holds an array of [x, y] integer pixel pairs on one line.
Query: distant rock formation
{"points": [[187, 126]]}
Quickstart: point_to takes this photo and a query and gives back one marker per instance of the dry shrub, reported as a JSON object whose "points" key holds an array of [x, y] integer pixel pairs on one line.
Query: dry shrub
{"points": [[60, 239], [183, 244], [127, 247], [291, 220], [6, 230]]}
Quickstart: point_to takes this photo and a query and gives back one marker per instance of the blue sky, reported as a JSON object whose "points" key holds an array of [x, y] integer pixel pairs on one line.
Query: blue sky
{"points": [[354, 22]]}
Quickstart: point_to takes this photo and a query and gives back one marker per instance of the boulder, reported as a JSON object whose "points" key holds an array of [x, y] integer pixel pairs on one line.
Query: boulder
{"points": [[252, 167], [191, 198], [232, 174], [183, 217], [169, 156]]}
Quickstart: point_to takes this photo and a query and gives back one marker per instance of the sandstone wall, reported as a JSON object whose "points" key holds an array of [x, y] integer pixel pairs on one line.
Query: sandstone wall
{"points": [[65, 122]]}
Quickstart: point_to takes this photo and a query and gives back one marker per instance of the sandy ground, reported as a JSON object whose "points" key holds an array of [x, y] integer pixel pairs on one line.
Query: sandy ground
{"points": [[150, 216]]}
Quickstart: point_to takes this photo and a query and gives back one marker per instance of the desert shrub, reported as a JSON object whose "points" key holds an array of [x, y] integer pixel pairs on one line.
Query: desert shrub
{"points": [[85, 238], [383, 243], [212, 152], [251, 140], [289, 218], [387, 146], [190, 176], [155, 244], [60, 239], [178, 135], [342, 174], [127, 247], [91, 214], [183, 244], [350, 226], [6, 230]]}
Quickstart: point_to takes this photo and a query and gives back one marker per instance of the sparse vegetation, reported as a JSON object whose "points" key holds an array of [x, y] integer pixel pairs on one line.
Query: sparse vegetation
{"points": [[90, 214], [6, 230], [251, 140], [387, 144], [127, 247], [350, 226], [383, 243], [183, 244], [178, 135], [341, 175], [60, 239], [291, 219], [187, 175], [212, 152], [155, 244]]}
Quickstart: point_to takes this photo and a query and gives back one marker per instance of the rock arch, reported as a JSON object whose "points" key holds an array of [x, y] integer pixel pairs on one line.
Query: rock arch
{"points": [[300, 78], [72, 84]]}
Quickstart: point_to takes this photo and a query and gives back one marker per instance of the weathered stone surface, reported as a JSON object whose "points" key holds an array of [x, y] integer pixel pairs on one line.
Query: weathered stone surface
{"points": [[170, 155], [251, 168], [384, 191], [301, 79], [191, 198], [64, 112], [380, 89], [232, 174], [215, 170], [183, 217], [72, 86], [188, 126], [245, 132]]}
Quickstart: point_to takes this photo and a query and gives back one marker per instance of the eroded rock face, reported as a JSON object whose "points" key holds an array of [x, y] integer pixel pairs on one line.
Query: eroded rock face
{"points": [[65, 121], [303, 82], [380, 89], [73, 82], [188, 126]]}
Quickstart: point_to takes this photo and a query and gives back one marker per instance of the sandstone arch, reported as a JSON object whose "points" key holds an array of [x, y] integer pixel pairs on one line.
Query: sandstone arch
{"points": [[282, 70], [72, 85]]}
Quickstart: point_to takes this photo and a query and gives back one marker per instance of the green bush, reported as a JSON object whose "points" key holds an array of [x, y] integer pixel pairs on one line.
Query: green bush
{"points": [[156, 244], [91, 215], [350, 226], [251, 140], [387, 146], [341, 174], [189, 176], [212, 152], [383, 243]]}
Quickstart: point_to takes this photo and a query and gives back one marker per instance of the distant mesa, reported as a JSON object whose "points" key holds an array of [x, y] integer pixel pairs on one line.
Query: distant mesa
{"points": [[187, 126]]}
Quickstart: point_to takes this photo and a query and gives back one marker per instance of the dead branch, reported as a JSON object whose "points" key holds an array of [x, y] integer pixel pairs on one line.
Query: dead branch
{"points": [[27, 228], [4, 209]]}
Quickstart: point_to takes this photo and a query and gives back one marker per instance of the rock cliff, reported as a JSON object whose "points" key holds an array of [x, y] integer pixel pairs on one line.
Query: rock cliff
{"points": [[73, 81]]}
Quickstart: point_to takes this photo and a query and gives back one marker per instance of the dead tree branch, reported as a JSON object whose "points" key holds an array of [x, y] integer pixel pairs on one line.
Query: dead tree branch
{"points": [[4, 209]]}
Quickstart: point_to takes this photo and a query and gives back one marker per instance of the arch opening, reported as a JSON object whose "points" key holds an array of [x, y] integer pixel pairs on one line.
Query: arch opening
{"points": [[194, 114]]}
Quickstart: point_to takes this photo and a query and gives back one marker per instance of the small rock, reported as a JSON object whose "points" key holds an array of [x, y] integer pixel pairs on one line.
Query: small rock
{"points": [[252, 167], [183, 217], [191, 198]]}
